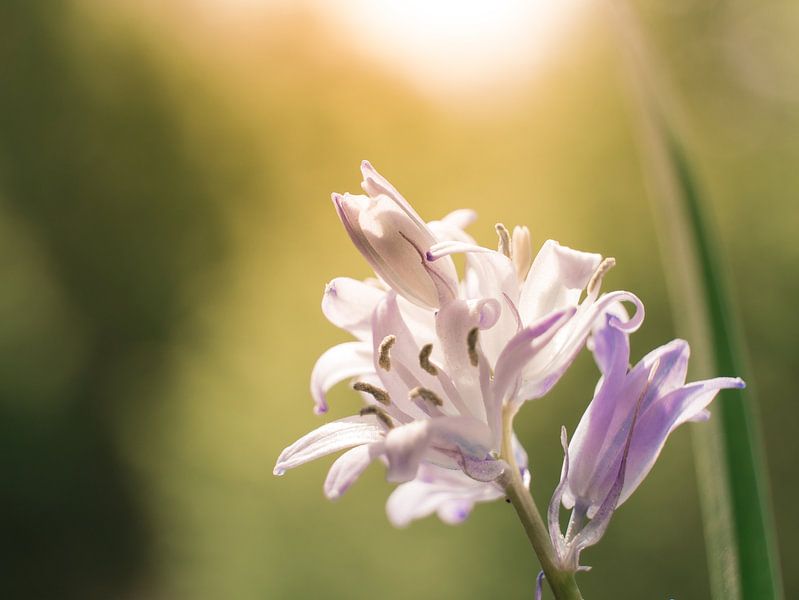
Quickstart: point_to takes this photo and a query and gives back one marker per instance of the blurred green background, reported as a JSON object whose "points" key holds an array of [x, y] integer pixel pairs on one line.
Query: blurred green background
{"points": [[165, 238]]}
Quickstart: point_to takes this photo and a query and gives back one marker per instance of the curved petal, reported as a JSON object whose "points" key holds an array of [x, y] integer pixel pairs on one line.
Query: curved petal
{"points": [[555, 280], [449, 493], [338, 363], [544, 371], [656, 423], [395, 246], [464, 438], [374, 184], [460, 218], [612, 354], [348, 304], [451, 227], [348, 467], [329, 438], [523, 348]]}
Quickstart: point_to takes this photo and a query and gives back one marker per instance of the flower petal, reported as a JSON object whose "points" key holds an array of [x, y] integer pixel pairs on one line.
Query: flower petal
{"points": [[349, 303], [338, 363], [451, 227], [330, 437], [348, 467], [657, 422], [556, 280], [449, 493], [544, 371], [523, 348], [374, 184], [463, 439]]}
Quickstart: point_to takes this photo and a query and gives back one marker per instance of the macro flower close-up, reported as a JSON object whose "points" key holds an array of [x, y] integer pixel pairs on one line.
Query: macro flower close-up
{"points": [[396, 299]]}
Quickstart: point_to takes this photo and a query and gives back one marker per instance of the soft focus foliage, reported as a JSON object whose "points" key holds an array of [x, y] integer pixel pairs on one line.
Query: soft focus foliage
{"points": [[166, 235]]}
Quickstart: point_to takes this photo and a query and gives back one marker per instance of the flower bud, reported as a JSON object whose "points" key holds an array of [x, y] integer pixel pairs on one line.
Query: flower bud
{"points": [[394, 240]]}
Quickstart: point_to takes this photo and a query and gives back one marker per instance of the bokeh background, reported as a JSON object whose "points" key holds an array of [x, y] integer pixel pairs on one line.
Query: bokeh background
{"points": [[166, 234]]}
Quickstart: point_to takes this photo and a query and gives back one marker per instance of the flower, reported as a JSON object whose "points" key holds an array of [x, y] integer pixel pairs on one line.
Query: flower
{"points": [[392, 237], [437, 360], [555, 281], [622, 432], [439, 411]]}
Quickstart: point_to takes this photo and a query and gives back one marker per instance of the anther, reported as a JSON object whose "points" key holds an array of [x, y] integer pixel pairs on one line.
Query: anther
{"points": [[379, 413], [424, 359], [426, 395], [384, 357], [504, 239], [596, 279], [471, 342], [377, 393]]}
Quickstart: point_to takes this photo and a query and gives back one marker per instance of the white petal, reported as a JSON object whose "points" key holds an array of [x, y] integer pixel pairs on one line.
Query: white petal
{"points": [[329, 438], [465, 437], [556, 280], [349, 303], [544, 371], [338, 363], [449, 493], [348, 467]]}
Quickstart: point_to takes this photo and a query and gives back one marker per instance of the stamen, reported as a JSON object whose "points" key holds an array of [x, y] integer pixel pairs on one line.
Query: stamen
{"points": [[471, 342], [504, 239], [426, 395], [596, 279], [424, 359], [384, 358], [379, 413], [377, 393], [521, 251]]}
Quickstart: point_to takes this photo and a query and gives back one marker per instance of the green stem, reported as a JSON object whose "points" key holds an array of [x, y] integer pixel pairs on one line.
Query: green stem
{"points": [[561, 582]]}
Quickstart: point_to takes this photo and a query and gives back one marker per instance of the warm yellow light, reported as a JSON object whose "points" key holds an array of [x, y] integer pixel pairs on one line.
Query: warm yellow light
{"points": [[460, 45]]}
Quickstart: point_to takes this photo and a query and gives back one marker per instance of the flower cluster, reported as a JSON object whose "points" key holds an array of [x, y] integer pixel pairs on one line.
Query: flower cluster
{"points": [[443, 364]]}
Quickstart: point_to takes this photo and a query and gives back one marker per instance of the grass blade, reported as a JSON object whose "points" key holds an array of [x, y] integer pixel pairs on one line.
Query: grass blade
{"points": [[730, 456]]}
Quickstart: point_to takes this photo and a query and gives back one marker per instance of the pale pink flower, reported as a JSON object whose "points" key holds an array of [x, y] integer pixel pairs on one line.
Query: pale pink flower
{"points": [[437, 360]]}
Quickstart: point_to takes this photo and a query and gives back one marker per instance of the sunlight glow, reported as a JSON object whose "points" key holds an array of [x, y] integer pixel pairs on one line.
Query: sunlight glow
{"points": [[455, 45]]}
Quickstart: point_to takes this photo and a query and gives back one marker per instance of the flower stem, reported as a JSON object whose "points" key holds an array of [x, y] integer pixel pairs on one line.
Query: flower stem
{"points": [[562, 583]]}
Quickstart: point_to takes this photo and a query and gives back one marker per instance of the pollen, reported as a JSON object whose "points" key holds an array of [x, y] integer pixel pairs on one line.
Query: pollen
{"points": [[471, 344], [384, 350], [426, 395], [379, 413], [424, 359], [377, 393]]}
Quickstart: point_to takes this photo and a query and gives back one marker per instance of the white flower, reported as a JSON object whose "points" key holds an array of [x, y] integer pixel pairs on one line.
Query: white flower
{"points": [[438, 360]]}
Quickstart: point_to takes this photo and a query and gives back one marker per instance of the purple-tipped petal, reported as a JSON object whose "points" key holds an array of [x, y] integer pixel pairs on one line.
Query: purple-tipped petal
{"points": [[663, 417], [348, 304], [330, 437], [543, 373], [463, 439], [348, 467], [394, 240], [449, 493], [652, 396], [350, 359], [523, 348]]}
